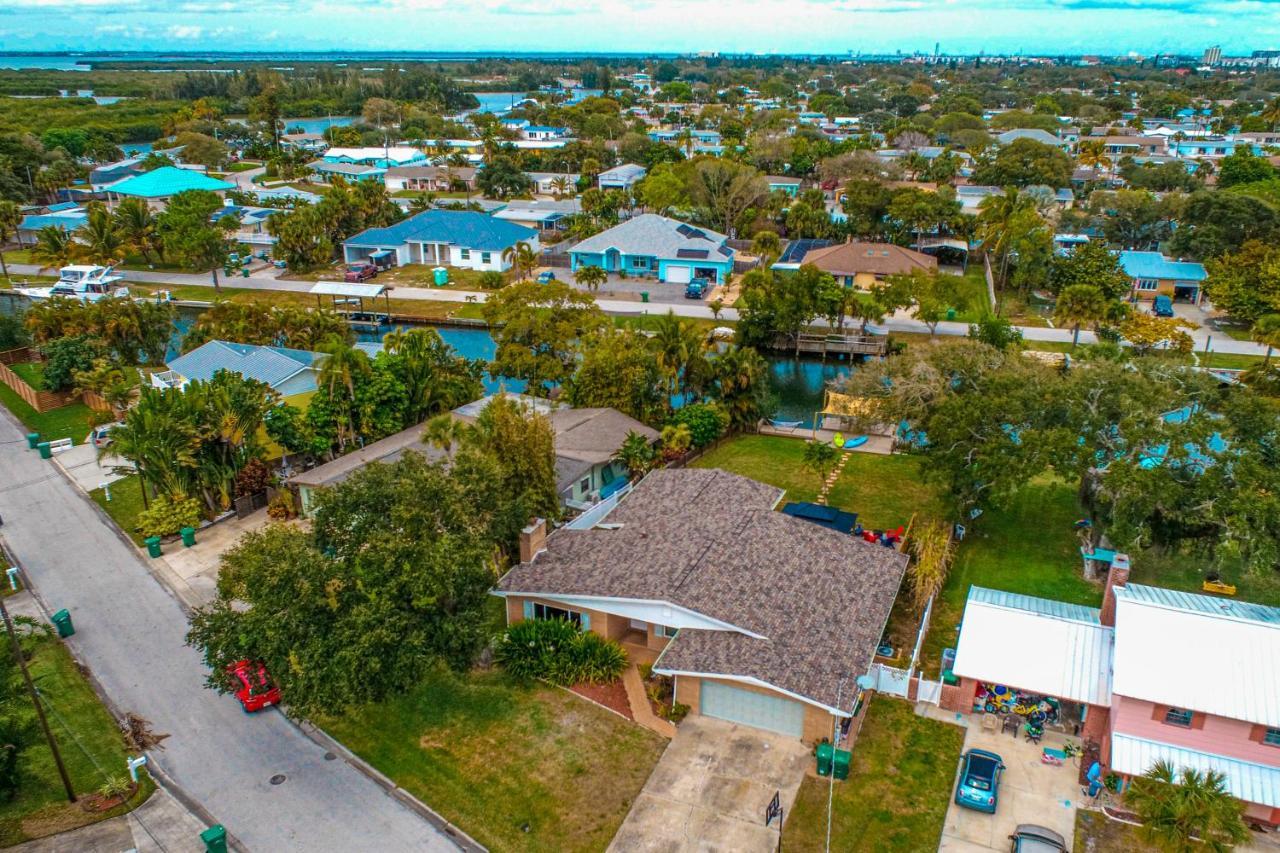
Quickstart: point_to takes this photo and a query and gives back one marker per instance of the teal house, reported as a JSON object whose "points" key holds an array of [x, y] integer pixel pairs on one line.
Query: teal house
{"points": [[166, 182], [655, 246]]}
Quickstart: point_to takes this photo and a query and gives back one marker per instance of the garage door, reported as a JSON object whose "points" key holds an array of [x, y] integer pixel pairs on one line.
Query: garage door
{"points": [[679, 275], [761, 710]]}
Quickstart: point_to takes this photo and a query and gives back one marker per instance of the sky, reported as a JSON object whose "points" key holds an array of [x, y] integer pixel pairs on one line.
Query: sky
{"points": [[677, 26]]}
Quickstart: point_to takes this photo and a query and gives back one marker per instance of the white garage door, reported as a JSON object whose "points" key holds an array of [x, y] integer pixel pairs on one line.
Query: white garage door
{"points": [[679, 275], [760, 710]]}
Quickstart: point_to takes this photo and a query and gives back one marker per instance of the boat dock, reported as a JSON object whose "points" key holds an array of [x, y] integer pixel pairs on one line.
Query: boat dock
{"points": [[838, 345]]}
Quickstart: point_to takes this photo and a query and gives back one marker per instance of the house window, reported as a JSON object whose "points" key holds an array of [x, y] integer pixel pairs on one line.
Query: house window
{"points": [[1180, 717], [484, 257], [640, 263], [665, 631], [466, 254], [546, 611], [1271, 737], [585, 485], [1147, 284]]}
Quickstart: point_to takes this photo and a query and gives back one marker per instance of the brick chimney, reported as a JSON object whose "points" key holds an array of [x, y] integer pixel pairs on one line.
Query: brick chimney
{"points": [[1117, 576], [533, 539]]}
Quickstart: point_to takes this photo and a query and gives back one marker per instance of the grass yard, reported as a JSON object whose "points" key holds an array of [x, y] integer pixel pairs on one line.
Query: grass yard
{"points": [[897, 792], [88, 738], [518, 768], [30, 372], [125, 505], [70, 421]]}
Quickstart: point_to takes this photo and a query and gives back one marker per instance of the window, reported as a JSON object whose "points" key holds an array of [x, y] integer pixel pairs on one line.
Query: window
{"points": [[640, 263], [1148, 284], [466, 254], [1179, 717], [546, 611], [484, 257], [585, 485], [1271, 737], [665, 631]]}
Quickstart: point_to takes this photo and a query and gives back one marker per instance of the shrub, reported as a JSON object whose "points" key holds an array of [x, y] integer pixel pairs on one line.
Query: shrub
{"points": [[253, 478], [167, 516], [12, 333], [558, 651], [282, 507], [492, 280], [706, 422], [65, 357], [675, 713]]}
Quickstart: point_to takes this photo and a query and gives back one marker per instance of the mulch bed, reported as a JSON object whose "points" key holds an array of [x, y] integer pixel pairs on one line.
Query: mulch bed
{"points": [[612, 696]]}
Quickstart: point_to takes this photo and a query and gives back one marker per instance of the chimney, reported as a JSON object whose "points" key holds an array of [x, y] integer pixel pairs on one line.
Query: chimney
{"points": [[1117, 576], [533, 539]]}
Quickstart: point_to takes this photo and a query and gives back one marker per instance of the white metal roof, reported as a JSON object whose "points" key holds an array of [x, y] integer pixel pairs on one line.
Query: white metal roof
{"points": [[1198, 652], [348, 288], [1035, 644], [1253, 783]]}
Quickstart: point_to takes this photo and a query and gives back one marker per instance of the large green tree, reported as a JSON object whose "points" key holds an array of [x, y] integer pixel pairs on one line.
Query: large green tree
{"points": [[539, 330]]}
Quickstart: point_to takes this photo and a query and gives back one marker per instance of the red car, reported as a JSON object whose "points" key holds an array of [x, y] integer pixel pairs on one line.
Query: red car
{"points": [[253, 686], [360, 272]]}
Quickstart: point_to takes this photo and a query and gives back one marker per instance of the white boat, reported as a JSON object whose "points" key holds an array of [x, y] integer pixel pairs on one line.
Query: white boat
{"points": [[85, 282]]}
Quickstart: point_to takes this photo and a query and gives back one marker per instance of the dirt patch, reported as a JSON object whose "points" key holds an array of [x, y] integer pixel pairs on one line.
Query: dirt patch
{"points": [[613, 696]]}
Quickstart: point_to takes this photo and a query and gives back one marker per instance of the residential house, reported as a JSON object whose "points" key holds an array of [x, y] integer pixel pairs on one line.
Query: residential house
{"points": [[290, 372], [159, 185], [67, 216], [541, 214], [655, 245], [252, 222], [101, 177], [543, 133], [1120, 146], [554, 183], [622, 177], [385, 157], [327, 170], [1154, 675], [1211, 148], [782, 183], [1154, 274], [695, 572], [586, 444], [458, 238], [313, 143], [437, 179], [865, 265], [1035, 134]]}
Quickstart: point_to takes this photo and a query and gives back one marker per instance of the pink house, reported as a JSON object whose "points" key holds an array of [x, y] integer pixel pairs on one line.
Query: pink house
{"points": [[1154, 675]]}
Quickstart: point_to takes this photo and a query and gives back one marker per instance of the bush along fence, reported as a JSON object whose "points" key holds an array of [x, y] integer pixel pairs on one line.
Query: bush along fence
{"points": [[39, 399]]}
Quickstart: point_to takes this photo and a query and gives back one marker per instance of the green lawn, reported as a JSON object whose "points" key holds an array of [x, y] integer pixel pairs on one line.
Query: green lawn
{"points": [[125, 505], [518, 768], [87, 737], [30, 372], [243, 166], [70, 421], [897, 792]]}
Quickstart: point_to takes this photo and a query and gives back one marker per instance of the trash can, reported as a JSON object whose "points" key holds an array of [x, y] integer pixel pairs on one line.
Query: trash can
{"points": [[842, 763], [215, 839], [951, 313], [62, 621], [824, 759], [153, 545], [45, 451], [440, 276], [33, 438], [949, 678], [644, 296], [188, 536], [244, 272]]}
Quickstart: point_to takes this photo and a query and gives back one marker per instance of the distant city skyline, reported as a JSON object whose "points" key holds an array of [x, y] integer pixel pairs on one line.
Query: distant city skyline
{"points": [[1111, 27]]}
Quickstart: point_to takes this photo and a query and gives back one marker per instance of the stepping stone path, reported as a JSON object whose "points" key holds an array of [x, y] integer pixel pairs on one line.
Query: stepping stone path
{"points": [[831, 478]]}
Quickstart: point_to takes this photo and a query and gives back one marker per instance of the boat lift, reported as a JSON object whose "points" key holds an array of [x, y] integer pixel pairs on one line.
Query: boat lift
{"points": [[343, 294]]}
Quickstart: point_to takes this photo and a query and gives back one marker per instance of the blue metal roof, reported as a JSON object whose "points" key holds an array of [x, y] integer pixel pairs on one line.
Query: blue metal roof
{"points": [[1031, 604], [1206, 604], [65, 221], [1156, 265], [167, 181], [465, 228], [272, 365]]}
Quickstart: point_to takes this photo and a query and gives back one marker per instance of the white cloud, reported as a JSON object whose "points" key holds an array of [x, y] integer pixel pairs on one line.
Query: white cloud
{"points": [[185, 31]]}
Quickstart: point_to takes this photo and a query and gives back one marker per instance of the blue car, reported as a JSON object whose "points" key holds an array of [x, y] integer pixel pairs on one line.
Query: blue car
{"points": [[979, 787], [546, 277]]}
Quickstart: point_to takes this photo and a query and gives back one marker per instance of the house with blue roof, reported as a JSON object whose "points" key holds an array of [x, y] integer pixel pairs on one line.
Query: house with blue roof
{"points": [[291, 373], [69, 217], [622, 177], [166, 182], [653, 245], [457, 238], [1154, 275]]}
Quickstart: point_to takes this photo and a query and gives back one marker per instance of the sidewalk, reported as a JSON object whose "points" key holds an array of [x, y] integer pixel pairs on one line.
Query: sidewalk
{"points": [[160, 825]]}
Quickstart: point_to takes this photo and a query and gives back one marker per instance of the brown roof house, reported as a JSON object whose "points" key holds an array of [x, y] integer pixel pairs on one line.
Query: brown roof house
{"points": [[762, 619], [863, 265]]}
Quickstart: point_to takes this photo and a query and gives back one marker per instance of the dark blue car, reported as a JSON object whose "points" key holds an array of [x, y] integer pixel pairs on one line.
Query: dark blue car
{"points": [[979, 786]]}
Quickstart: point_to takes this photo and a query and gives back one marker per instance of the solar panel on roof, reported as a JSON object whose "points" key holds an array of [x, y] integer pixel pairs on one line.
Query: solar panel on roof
{"points": [[692, 253], [684, 230]]}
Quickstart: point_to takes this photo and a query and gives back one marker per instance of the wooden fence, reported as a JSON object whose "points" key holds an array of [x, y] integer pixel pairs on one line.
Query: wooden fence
{"points": [[41, 401], [17, 356]]}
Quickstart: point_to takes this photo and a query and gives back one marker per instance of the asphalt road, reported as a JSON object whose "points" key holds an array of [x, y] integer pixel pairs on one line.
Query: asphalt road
{"points": [[130, 632]]}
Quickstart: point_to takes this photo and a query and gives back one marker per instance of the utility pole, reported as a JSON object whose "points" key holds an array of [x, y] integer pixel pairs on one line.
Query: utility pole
{"points": [[35, 700]]}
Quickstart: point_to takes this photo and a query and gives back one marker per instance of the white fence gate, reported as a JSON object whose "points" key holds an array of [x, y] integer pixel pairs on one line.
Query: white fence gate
{"points": [[929, 691], [891, 680]]}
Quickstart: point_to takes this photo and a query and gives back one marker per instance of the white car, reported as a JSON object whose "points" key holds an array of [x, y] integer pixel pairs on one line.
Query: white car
{"points": [[101, 435]]}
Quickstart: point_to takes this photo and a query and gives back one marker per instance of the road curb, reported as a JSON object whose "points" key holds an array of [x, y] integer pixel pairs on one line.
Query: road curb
{"points": [[455, 833]]}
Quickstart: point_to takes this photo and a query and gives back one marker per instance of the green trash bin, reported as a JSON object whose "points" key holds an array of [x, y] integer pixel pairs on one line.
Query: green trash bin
{"points": [[188, 536], [841, 764], [62, 621], [45, 451], [951, 313], [33, 438], [948, 677], [644, 296], [215, 839], [824, 759], [153, 545]]}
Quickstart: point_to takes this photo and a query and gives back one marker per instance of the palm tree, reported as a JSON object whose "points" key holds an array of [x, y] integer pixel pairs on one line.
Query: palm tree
{"points": [[1093, 155], [681, 350], [341, 367], [766, 244], [1080, 305], [103, 242], [561, 184], [54, 248], [636, 453], [10, 219], [444, 431], [740, 374], [591, 277], [137, 225], [1271, 113], [1266, 331], [1187, 811], [522, 258], [1000, 221]]}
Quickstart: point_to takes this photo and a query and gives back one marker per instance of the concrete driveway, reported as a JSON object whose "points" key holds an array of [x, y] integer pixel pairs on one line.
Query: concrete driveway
{"points": [[1030, 792], [710, 788]]}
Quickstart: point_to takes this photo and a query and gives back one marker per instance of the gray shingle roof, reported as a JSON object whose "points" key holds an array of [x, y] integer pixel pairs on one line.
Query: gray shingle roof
{"points": [[710, 541], [651, 234]]}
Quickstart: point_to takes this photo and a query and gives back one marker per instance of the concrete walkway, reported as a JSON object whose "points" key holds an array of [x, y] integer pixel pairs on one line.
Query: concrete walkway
{"points": [[160, 825]]}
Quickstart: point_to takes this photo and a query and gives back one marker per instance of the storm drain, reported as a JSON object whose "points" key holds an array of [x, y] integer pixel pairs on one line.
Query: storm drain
{"points": [[277, 779]]}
